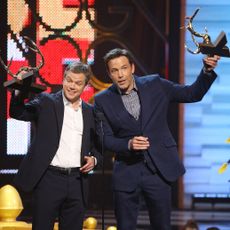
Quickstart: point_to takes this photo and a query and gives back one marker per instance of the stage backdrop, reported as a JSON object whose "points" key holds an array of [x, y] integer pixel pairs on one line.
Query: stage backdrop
{"points": [[207, 123]]}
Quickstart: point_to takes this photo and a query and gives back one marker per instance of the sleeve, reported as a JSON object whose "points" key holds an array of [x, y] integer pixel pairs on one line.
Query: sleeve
{"points": [[105, 132], [24, 111], [189, 93], [95, 149]]}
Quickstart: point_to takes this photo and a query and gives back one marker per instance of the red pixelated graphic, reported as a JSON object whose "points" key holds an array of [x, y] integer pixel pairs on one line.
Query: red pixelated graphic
{"points": [[88, 93], [57, 54], [76, 3], [27, 21]]}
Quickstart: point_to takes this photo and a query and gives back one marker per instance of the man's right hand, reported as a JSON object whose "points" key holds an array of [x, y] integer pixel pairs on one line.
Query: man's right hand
{"points": [[20, 74], [19, 77], [139, 143]]}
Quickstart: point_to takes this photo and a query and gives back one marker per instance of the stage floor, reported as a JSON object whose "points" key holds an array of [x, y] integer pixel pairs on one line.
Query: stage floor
{"points": [[205, 219]]}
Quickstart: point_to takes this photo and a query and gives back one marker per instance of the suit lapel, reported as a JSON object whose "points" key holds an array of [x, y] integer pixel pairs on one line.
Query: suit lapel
{"points": [[146, 101], [59, 110], [86, 115]]}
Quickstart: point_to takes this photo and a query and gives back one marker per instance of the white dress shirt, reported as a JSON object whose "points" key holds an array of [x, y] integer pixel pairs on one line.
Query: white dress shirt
{"points": [[69, 150]]}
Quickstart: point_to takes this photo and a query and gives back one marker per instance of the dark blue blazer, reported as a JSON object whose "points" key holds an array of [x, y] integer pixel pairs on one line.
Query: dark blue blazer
{"points": [[47, 112], [119, 126]]}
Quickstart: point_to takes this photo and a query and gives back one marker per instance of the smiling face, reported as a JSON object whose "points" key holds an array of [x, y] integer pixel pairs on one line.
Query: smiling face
{"points": [[73, 86], [121, 72]]}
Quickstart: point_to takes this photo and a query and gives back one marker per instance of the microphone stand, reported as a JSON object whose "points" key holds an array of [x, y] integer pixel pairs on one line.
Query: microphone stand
{"points": [[103, 172]]}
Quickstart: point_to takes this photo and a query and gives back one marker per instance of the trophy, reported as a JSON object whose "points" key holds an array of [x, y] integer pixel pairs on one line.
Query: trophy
{"points": [[26, 84], [207, 47]]}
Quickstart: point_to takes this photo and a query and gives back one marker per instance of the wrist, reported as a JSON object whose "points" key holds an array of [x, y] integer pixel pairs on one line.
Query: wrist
{"points": [[95, 160], [130, 144], [206, 70]]}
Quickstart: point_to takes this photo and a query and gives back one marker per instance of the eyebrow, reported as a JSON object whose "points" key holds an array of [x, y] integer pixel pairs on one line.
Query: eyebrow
{"points": [[125, 65], [69, 78]]}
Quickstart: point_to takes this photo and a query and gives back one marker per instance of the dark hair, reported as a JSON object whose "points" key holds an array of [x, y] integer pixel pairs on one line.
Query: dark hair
{"points": [[79, 67], [191, 224], [115, 53]]}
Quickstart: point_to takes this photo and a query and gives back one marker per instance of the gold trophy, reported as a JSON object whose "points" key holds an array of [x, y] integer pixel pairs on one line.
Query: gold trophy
{"points": [[26, 84], [207, 47]]}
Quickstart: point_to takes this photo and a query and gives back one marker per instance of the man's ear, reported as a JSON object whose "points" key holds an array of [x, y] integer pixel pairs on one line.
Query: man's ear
{"points": [[133, 68], [109, 74]]}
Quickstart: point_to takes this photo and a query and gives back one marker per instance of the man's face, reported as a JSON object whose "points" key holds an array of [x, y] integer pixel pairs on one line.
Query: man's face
{"points": [[121, 71], [73, 86]]}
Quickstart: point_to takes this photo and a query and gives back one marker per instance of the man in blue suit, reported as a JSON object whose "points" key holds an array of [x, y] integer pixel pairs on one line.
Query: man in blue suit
{"points": [[133, 112], [62, 152]]}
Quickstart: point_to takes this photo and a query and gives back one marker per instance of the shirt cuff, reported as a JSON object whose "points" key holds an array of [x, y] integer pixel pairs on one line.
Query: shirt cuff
{"points": [[208, 72], [129, 145], [95, 160]]}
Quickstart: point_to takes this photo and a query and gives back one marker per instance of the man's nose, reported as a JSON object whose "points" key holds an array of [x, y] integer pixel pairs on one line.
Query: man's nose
{"points": [[72, 85], [120, 73]]}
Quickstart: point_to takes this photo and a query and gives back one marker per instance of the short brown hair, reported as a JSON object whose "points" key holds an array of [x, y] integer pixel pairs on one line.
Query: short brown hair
{"points": [[79, 67], [115, 53]]}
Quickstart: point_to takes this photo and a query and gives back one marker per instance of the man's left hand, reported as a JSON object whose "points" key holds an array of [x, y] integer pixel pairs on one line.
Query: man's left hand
{"points": [[89, 164]]}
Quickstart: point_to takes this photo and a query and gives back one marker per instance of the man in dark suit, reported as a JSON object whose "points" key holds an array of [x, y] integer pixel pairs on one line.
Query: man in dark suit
{"points": [[133, 112], [62, 153]]}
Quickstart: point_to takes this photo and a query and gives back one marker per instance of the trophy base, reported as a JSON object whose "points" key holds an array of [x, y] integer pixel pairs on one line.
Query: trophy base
{"points": [[212, 50], [217, 48], [25, 84]]}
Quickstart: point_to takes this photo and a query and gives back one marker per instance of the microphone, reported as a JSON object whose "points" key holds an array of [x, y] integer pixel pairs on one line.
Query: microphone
{"points": [[100, 117]]}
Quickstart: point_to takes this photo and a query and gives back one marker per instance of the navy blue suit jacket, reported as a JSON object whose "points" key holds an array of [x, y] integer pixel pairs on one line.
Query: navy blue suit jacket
{"points": [[119, 126], [47, 112]]}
